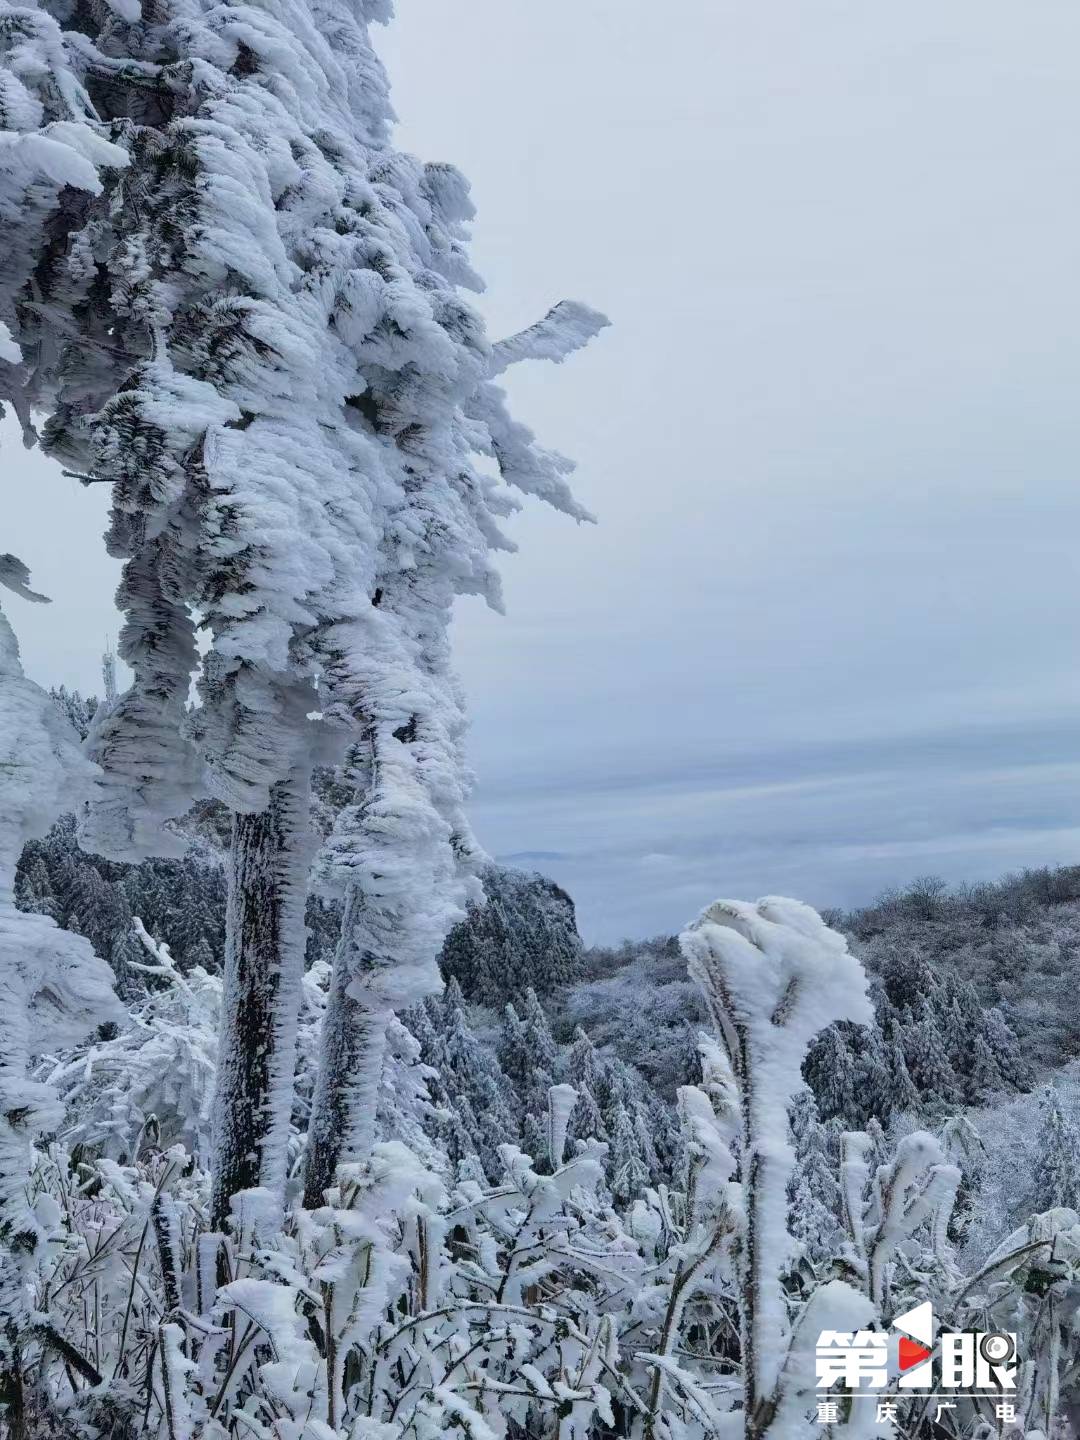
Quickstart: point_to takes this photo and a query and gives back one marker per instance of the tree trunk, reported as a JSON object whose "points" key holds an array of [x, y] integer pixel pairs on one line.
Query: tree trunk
{"points": [[342, 1124], [264, 964]]}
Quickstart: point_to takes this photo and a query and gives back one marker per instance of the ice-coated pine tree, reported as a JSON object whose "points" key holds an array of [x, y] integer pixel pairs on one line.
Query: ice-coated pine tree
{"points": [[813, 1191], [278, 376], [529, 1056], [1005, 1048], [927, 1059], [584, 1073], [523, 937], [1057, 1169], [830, 1070]]}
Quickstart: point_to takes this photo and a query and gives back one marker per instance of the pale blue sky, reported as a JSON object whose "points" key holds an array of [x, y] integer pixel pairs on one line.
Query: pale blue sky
{"points": [[823, 637]]}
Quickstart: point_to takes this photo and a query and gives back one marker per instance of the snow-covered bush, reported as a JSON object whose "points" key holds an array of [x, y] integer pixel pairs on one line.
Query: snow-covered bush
{"points": [[400, 1307], [421, 1299]]}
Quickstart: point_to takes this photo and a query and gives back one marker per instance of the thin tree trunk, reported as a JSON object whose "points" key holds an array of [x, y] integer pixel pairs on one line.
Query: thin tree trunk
{"points": [[342, 1124], [264, 964]]}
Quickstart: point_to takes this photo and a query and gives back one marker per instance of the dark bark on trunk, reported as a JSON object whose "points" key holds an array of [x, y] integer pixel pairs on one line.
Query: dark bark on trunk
{"points": [[342, 1124], [264, 961]]}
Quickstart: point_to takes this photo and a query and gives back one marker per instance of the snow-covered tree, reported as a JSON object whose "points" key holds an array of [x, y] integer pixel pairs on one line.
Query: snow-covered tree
{"points": [[529, 1057], [78, 709], [882, 1084], [472, 1094], [1057, 1164], [524, 936], [831, 1072], [927, 1059], [183, 901], [813, 1190], [1005, 1048], [584, 1072], [278, 376], [629, 1174]]}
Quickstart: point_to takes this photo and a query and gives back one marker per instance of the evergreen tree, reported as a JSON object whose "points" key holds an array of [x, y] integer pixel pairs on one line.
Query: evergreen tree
{"points": [[522, 936], [470, 1088], [200, 954], [813, 1193], [1006, 1051], [626, 1120], [530, 1059], [583, 1071], [898, 1084], [928, 1062], [534, 1130], [540, 1042], [984, 1078], [1057, 1167], [647, 1135], [829, 1070], [513, 1045], [629, 1173], [906, 977], [125, 950], [870, 1084], [33, 889], [955, 1035], [94, 908], [77, 710]]}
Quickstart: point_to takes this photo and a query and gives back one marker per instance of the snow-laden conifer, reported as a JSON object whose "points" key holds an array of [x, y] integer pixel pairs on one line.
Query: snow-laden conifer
{"points": [[1057, 1171], [813, 1190]]}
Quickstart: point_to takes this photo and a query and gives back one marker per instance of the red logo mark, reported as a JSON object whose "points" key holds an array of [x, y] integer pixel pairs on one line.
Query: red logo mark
{"points": [[912, 1353]]}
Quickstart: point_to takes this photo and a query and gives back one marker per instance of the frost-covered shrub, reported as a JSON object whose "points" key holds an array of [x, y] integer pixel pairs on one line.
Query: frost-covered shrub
{"points": [[422, 1299], [156, 1073], [404, 1306]]}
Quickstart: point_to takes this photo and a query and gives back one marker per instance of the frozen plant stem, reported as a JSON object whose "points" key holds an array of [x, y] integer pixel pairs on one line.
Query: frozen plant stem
{"points": [[772, 976]]}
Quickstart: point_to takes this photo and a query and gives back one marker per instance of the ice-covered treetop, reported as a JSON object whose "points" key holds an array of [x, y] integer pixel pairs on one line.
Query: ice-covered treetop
{"points": [[243, 309], [773, 975]]}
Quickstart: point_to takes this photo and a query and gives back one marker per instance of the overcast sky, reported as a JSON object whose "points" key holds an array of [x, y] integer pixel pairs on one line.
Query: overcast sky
{"points": [[823, 638]]}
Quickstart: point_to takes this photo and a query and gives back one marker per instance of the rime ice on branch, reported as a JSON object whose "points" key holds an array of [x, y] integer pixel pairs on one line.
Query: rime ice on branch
{"points": [[774, 976]]}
